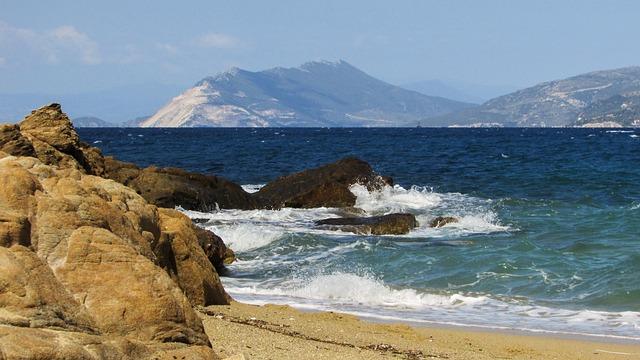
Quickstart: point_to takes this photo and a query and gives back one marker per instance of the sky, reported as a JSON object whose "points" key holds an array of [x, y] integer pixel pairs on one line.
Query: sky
{"points": [[77, 46]]}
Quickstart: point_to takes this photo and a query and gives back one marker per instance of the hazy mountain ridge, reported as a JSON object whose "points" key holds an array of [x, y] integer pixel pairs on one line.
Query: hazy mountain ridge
{"points": [[314, 94], [92, 122], [553, 103], [622, 110]]}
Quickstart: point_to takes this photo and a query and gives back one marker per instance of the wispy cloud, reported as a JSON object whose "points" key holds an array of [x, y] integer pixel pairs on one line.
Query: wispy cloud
{"points": [[64, 43], [167, 48], [3, 61], [217, 40], [70, 38]]}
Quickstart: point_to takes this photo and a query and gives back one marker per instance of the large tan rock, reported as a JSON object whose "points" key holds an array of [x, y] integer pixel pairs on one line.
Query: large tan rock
{"points": [[31, 296], [80, 278], [180, 253], [124, 291], [92, 239]]}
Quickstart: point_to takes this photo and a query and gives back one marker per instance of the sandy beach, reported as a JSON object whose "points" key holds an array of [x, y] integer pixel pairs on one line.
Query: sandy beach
{"points": [[282, 332]]}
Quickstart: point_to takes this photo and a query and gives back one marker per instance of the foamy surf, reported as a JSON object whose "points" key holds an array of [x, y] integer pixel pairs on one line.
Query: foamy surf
{"points": [[246, 230], [366, 296]]}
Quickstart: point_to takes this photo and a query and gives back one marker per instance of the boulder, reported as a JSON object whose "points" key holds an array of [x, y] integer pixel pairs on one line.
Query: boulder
{"points": [[441, 221], [171, 187], [180, 253], [325, 186], [392, 224]]}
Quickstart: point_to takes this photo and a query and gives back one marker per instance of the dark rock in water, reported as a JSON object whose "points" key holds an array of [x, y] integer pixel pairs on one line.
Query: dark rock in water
{"points": [[325, 186], [351, 212], [171, 187], [441, 221], [392, 224], [218, 253], [13, 143], [200, 221]]}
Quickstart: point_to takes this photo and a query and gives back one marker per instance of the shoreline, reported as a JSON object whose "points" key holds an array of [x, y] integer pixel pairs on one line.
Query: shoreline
{"points": [[434, 324], [283, 332]]}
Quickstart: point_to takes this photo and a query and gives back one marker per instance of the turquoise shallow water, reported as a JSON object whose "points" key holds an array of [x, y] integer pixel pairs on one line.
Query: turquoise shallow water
{"points": [[549, 238]]}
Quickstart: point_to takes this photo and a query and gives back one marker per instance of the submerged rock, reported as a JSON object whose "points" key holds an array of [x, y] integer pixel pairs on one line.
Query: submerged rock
{"points": [[325, 186], [392, 224], [441, 221]]}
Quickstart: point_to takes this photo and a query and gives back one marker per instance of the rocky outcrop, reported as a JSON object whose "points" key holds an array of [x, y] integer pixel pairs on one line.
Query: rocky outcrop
{"points": [[441, 221], [171, 187], [392, 224], [325, 186], [81, 265]]}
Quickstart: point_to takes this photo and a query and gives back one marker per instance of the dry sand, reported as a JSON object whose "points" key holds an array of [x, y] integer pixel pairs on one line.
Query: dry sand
{"points": [[281, 332]]}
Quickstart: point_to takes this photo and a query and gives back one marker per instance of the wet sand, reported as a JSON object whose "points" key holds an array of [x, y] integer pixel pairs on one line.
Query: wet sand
{"points": [[282, 332]]}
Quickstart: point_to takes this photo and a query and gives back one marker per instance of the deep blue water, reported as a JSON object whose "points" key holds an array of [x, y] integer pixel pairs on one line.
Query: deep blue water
{"points": [[549, 238]]}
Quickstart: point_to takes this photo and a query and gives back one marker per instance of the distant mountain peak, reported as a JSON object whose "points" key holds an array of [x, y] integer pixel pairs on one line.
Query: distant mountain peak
{"points": [[318, 93], [315, 63]]}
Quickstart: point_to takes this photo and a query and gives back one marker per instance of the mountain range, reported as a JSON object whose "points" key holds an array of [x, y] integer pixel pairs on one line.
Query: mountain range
{"points": [[597, 97], [91, 122], [337, 94], [318, 94]]}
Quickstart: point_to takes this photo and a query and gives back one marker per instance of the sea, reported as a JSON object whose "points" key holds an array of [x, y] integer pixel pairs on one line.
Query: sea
{"points": [[548, 239]]}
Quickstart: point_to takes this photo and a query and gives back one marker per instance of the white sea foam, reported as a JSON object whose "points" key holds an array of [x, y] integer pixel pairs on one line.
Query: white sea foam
{"points": [[245, 237], [474, 214], [342, 287], [251, 188], [620, 131], [394, 199], [370, 297]]}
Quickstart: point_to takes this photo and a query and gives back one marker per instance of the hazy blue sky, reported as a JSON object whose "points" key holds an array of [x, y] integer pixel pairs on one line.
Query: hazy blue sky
{"points": [[70, 46]]}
